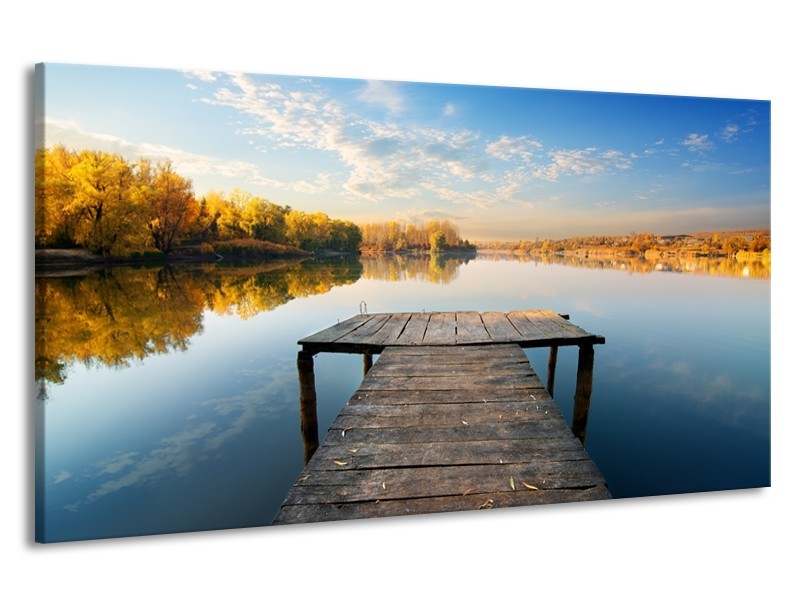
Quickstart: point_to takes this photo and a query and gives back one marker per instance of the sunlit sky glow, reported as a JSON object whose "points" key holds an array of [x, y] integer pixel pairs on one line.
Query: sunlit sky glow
{"points": [[502, 163]]}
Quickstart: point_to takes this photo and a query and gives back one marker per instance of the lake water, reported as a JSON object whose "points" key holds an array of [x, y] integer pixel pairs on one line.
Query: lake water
{"points": [[168, 397]]}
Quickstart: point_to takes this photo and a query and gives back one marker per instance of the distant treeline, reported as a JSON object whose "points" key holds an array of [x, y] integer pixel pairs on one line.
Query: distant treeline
{"points": [[432, 236], [105, 204], [719, 243]]}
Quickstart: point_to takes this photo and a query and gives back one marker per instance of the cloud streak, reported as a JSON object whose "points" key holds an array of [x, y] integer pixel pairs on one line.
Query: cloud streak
{"points": [[729, 133], [188, 163], [697, 142], [383, 94], [384, 160], [176, 455]]}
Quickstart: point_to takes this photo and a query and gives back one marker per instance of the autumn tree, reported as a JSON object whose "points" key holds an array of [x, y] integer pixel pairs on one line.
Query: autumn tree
{"points": [[399, 236], [54, 189], [307, 231], [104, 213], [759, 243], [107, 205], [263, 220], [732, 245], [344, 236], [170, 206]]}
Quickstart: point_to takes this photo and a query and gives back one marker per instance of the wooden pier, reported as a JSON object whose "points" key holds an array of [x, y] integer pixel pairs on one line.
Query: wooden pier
{"points": [[450, 417]]}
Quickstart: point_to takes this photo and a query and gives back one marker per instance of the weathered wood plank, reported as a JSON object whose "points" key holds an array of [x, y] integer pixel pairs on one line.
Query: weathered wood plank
{"points": [[439, 428], [565, 323], [452, 370], [403, 382], [366, 331], [423, 350], [487, 452], [412, 397], [440, 355], [546, 323], [371, 333], [424, 482], [459, 433], [309, 513], [530, 330], [505, 410], [333, 333], [470, 328], [553, 325], [455, 417], [391, 330], [461, 353], [441, 329], [414, 331], [500, 328]]}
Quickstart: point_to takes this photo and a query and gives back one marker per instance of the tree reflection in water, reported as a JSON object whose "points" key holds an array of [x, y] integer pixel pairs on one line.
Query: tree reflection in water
{"points": [[699, 265], [115, 316]]}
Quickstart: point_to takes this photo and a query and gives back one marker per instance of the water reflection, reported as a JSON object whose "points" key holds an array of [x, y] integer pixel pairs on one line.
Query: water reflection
{"points": [[205, 436], [434, 268], [113, 317], [698, 265], [680, 396]]}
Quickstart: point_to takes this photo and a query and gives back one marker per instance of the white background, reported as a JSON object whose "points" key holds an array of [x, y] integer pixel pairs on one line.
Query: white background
{"points": [[735, 544]]}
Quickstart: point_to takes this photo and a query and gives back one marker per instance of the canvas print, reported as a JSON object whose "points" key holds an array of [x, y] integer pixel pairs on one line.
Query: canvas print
{"points": [[271, 300]]}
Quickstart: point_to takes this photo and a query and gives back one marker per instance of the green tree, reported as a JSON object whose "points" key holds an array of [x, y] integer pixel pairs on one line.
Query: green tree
{"points": [[263, 220], [438, 241], [344, 236]]}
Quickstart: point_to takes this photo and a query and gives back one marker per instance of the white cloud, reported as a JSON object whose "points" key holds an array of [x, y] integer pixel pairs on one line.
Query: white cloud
{"points": [[729, 133], [116, 463], [175, 455], [378, 159], [382, 159], [698, 143], [61, 476], [520, 148], [582, 162], [426, 214], [383, 94], [206, 76], [449, 109], [187, 163]]}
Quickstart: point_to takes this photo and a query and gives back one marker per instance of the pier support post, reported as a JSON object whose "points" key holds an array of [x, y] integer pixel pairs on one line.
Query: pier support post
{"points": [[367, 363], [583, 391], [551, 370], [308, 404]]}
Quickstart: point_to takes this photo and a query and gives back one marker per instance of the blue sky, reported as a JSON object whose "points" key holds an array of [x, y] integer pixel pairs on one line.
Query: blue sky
{"points": [[502, 163]]}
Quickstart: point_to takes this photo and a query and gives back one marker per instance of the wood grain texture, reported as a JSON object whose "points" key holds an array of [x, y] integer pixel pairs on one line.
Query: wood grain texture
{"points": [[335, 332], [464, 329], [443, 428]]}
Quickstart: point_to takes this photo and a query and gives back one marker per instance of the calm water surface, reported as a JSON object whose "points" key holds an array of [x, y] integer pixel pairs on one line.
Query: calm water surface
{"points": [[168, 397]]}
